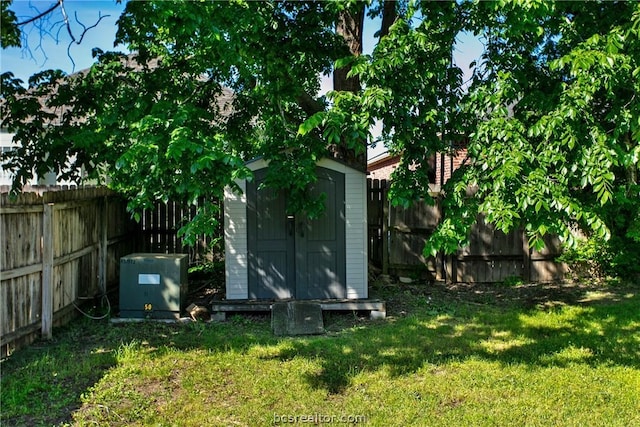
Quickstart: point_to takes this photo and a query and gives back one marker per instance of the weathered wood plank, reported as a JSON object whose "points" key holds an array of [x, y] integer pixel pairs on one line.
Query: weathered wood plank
{"points": [[21, 271], [385, 229], [22, 244], [65, 259], [34, 326], [171, 226], [162, 227], [490, 255], [102, 248], [7, 317], [47, 270], [18, 209]]}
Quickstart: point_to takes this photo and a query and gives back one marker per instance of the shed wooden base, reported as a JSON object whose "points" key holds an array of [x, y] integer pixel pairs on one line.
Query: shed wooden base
{"points": [[377, 308]]}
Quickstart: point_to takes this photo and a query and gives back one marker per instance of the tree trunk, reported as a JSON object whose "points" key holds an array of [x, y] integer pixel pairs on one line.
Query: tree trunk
{"points": [[389, 16], [349, 26]]}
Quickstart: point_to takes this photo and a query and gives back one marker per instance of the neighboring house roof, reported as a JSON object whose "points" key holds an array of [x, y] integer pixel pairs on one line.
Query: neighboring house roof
{"points": [[223, 101], [223, 104], [382, 166], [382, 160]]}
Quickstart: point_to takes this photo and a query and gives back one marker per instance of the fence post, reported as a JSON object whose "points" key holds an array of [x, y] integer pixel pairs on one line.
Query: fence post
{"points": [[102, 249], [385, 226], [448, 268], [47, 270], [526, 255]]}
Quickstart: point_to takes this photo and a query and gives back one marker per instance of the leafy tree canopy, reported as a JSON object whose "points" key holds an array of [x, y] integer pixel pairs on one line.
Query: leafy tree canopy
{"points": [[8, 26], [551, 116]]}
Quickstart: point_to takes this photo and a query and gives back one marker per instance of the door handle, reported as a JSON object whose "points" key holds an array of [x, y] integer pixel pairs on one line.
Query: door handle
{"points": [[291, 225]]}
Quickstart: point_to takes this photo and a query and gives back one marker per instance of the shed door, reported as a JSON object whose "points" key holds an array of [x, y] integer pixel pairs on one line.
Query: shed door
{"points": [[292, 257]]}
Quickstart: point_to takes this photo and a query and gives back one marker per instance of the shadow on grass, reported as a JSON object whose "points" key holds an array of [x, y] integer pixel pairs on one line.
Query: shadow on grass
{"points": [[595, 334], [44, 384]]}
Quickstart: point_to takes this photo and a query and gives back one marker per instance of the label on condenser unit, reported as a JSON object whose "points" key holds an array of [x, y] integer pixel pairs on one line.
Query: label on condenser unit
{"points": [[148, 279]]}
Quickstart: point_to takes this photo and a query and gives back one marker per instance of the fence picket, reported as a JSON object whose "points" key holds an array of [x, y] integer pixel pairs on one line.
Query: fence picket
{"points": [[161, 227], [47, 270], [490, 256], [58, 247]]}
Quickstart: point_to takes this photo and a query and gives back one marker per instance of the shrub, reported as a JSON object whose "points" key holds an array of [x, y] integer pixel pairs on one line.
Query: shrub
{"points": [[596, 258]]}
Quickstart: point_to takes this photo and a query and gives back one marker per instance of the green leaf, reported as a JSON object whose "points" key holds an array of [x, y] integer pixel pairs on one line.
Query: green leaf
{"points": [[311, 123], [538, 206], [344, 62]]}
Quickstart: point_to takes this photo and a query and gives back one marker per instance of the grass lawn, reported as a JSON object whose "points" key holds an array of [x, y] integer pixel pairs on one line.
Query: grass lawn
{"points": [[535, 355]]}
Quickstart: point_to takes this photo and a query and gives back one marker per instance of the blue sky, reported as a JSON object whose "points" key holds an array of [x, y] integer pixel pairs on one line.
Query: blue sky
{"points": [[50, 50], [46, 52], [53, 53]]}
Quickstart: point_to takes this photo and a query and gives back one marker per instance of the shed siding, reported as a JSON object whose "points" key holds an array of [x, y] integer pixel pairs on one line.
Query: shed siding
{"points": [[235, 221], [356, 228], [356, 234], [235, 242]]}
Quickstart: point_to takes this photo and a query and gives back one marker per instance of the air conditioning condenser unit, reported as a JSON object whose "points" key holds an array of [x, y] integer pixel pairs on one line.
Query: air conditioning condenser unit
{"points": [[153, 285]]}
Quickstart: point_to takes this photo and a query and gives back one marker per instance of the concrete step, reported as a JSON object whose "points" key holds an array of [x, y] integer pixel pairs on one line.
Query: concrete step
{"points": [[296, 318]]}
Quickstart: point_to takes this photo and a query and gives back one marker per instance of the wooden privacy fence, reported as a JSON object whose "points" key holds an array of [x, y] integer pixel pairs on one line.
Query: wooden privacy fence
{"points": [[159, 231], [62, 246], [58, 247], [397, 237]]}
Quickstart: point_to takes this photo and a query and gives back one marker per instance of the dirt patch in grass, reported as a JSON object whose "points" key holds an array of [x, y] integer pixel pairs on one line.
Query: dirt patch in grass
{"points": [[532, 295], [402, 299]]}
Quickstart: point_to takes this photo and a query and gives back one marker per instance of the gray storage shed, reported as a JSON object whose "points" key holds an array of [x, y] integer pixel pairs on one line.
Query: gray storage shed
{"points": [[270, 255]]}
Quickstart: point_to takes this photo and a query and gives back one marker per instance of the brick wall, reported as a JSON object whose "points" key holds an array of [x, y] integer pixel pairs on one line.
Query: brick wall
{"points": [[450, 162], [382, 172], [382, 169]]}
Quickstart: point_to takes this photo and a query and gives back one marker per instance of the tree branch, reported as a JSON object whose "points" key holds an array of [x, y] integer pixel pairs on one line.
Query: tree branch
{"points": [[64, 23], [308, 104], [84, 31], [389, 16], [41, 15]]}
